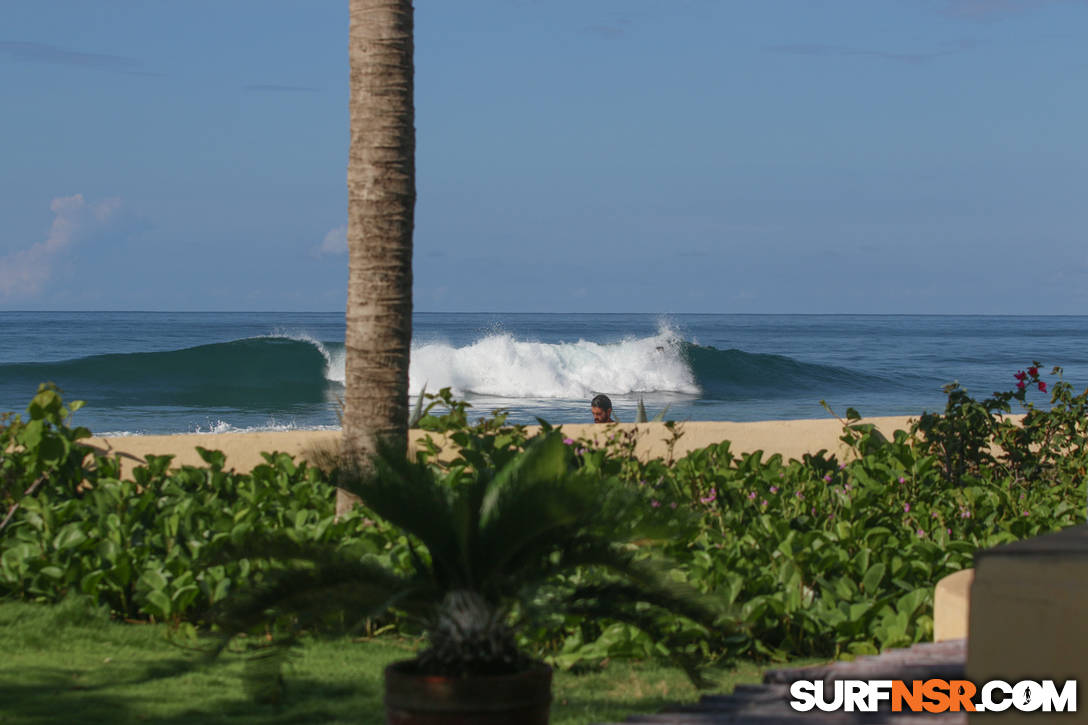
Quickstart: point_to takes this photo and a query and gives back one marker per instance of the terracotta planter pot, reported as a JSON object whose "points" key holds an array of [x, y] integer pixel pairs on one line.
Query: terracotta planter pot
{"points": [[414, 699]]}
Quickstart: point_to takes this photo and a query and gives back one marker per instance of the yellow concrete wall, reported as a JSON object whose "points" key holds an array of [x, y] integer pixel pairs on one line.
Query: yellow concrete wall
{"points": [[1029, 619], [951, 600]]}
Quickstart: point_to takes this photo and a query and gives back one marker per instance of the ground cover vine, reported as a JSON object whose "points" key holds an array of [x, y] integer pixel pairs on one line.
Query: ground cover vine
{"points": [[820, 556]]}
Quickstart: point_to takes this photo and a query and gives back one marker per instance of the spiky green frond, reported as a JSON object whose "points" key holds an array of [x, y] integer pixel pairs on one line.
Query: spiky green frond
{"points": [[619, 601], [408, 495], [511, 536], [308, 596]]}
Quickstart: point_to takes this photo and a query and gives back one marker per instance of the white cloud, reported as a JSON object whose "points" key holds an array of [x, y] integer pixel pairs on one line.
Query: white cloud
{"points": [[23, 273], [336, 242]]}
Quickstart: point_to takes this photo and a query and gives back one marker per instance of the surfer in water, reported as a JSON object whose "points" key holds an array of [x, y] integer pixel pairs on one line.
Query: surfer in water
{"points": [[602, 409]]}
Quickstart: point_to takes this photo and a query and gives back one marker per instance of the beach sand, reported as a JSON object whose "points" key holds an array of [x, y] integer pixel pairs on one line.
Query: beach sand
{"points": [[790, 438]]}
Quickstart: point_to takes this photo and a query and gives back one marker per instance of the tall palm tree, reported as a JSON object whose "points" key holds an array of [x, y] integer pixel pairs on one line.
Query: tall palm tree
{"points": [[381, 208]]}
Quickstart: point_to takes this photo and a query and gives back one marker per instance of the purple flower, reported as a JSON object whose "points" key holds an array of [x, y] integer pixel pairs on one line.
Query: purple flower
{"points": [[828, 478], [933, 515], [842, 466], [774, 489], [581, 451], [714, 495], [1027, 514], [655, 503], [569, 441], [800, 495], [949, 531], [764, 503], [672, 505], [906, 508], [902, 480], [846, 487], [965, 514], [752, 496], [921, 533]]}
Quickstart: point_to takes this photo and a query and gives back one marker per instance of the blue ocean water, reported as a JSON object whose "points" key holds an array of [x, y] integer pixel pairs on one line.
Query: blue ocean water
{"points": [[143, 372]]}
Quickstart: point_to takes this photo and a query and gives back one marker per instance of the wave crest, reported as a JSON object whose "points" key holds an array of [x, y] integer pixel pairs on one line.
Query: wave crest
{"points": [[500, 365]]}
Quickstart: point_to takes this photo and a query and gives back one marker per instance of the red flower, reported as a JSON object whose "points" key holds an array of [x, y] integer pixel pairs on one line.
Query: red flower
{"points": [[1020, 385], [1042, 386], [1033, 372], [1020, 376]]}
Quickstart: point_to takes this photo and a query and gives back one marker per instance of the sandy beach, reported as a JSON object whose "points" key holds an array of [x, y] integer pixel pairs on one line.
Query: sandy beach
{"points": [[790, 438]]}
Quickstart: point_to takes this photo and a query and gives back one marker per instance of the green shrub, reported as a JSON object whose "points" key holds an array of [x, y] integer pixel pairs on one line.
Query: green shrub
{"points": [[817, 557]]}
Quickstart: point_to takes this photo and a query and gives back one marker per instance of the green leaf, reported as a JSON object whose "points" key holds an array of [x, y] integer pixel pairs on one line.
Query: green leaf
{"points": [[70, 536], [52, 449], [215, 459], [871, 581], [31, 434], [159, 604], [152, 579]]}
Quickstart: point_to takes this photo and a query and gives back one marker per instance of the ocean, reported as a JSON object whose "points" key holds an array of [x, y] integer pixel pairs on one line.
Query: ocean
{"points": [[187, 372]]}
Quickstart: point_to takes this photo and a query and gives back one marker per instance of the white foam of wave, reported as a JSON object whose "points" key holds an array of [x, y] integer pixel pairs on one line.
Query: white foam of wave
{"points": [[502, 366], [272, 426]]}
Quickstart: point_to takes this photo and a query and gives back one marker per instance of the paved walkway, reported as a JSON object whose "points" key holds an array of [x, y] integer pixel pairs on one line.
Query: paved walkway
{"points": [[768, 704]]}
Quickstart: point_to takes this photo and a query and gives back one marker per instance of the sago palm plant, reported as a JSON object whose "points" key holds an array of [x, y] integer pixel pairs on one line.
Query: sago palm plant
{"points": [[492, 548]]}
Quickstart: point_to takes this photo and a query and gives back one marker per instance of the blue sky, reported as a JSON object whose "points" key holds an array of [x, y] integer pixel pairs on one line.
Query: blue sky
{"points": [[780, 156]]}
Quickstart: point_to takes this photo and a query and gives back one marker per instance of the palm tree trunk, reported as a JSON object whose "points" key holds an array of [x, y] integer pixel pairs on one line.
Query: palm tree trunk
{"points": [[381, 207]]}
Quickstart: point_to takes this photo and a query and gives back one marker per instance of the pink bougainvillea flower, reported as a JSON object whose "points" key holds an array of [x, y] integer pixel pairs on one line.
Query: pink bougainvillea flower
{"points": [[1020, 375], [1042, 386], [1033, 371]]}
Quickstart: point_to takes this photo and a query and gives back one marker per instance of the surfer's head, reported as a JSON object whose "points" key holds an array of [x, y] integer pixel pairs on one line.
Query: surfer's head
{"points": [[602, 409]]}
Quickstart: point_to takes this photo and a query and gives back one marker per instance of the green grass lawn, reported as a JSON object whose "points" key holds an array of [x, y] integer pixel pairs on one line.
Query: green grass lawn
{"points": [[69, 664]]}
